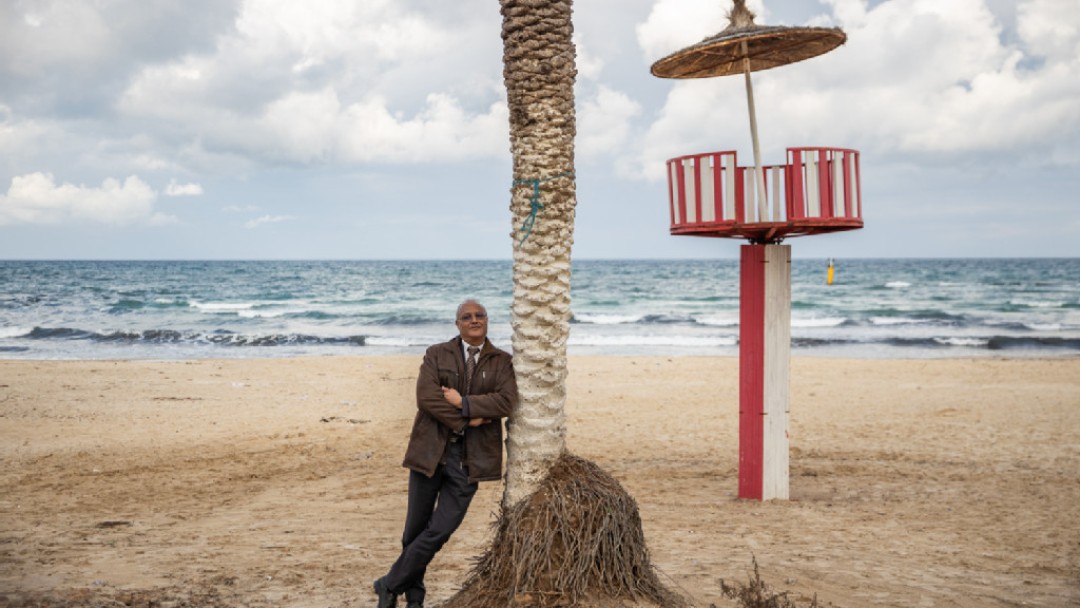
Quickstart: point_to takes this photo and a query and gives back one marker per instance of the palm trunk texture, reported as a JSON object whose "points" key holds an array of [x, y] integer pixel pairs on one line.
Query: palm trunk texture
{"points": [[539, 73]]}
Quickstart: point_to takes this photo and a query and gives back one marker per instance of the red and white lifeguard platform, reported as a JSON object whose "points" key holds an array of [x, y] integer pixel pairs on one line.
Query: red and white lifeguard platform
{"points": [[816, 191]]}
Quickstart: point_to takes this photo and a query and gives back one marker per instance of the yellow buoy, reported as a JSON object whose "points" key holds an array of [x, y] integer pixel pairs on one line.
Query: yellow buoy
{"points": [[831, 271]]}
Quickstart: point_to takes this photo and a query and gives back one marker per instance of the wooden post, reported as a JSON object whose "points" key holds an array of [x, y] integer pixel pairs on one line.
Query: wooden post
{"points": [[764, 371]]}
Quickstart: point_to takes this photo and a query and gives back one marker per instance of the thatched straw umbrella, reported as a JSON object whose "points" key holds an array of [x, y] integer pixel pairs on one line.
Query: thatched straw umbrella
{"points": [[744, 47]]}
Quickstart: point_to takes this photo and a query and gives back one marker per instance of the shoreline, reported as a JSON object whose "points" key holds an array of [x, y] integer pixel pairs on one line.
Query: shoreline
{"points": [[277, 481]]}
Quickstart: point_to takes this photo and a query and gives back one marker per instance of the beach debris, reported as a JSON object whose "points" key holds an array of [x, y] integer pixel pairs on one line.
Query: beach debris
{"points": [[340, 419], [755, 593], [113, 523], [577, 538]]}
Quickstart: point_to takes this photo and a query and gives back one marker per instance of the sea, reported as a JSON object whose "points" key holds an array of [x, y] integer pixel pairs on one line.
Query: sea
{"points": [[875, 308]]}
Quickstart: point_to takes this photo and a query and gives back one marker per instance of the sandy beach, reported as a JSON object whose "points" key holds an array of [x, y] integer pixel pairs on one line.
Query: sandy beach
{"points": [[277, 482]]}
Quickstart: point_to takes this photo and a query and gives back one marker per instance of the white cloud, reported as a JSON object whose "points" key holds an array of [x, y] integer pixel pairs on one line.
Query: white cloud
{"points": [[267, 219], [36, 198], [1050, 28], [340, 82], [317, 128], [604, 122], [330, 29], [175, 189], [442, 132], [916, 77], [588, 65], [47, 34], [674, 24]]}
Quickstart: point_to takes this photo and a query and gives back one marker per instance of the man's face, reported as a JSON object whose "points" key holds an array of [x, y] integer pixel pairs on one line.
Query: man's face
{"points": [[472, 323]]}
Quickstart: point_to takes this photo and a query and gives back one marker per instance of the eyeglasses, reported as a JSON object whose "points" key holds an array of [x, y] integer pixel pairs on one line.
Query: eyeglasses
{"points": [[469, 316]]}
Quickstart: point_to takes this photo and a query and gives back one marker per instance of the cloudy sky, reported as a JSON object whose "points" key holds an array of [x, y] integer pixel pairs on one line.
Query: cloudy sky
{"points": [[375, 129]]}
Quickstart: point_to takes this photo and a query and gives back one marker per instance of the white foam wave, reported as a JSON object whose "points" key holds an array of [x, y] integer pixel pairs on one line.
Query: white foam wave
{"points": [[652, 341], [1043, 326], [896, 321], [399, 341], [1037, 303], [717, 321], [264, 314], [822, 322], [897, 284], [962, 341], [13, 332], [221, 306], [602, 319]]}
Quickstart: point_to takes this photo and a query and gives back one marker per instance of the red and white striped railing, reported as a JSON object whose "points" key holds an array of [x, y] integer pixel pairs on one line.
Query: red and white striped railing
{"points": [[818, 190]]}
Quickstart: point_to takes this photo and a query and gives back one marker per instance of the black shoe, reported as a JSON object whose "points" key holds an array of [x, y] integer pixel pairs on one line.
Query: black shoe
{"points": [[415, 605], [386, 599]]}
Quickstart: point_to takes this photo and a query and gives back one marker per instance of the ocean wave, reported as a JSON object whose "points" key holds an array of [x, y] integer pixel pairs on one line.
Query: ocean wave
{"points": [[897, 284], [1037, 343], [221, 307], [13, 332], [1025, 325], [282, 340], [819, 322], [802, 342], [627, 319], [170, 336], [58, 333], [1038, 303], [665, 319], [1033, 343], [318, 315], [897, 321], [126, 305], [1043, 326], [881, 316], [407, 320], [264, 314], [673, 340], [961, 341], [398, 341], [606, 319], [717, 321]]}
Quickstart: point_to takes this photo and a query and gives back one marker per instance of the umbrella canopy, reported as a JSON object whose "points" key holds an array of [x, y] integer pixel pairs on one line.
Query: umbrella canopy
{"points": [[745, 47], [743, 42]]}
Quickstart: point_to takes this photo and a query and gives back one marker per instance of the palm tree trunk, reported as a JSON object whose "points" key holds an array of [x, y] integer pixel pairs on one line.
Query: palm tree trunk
{"points": [[539, 73], [568, 532]]}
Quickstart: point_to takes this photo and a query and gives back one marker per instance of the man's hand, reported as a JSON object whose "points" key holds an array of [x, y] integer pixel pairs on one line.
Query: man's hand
{"points": [[479, 421], [452, 396]]}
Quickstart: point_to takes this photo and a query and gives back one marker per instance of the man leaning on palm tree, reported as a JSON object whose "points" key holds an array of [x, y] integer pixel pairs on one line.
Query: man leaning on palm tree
{"points": [[465, 388]]}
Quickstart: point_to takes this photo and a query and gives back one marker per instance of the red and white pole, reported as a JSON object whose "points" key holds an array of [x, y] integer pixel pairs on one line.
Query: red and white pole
{"points": [[764, 370]]}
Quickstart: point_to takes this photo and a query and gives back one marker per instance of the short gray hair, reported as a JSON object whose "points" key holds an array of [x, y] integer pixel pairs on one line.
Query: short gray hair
{"points": [[464, 303]]}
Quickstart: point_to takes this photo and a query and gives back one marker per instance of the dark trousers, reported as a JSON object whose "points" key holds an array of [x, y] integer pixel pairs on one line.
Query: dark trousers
{"points": [[437, 506]]}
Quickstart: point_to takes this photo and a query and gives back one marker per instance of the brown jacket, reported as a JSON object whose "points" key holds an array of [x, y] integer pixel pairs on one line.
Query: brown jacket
{"points": [[493, 394]]}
